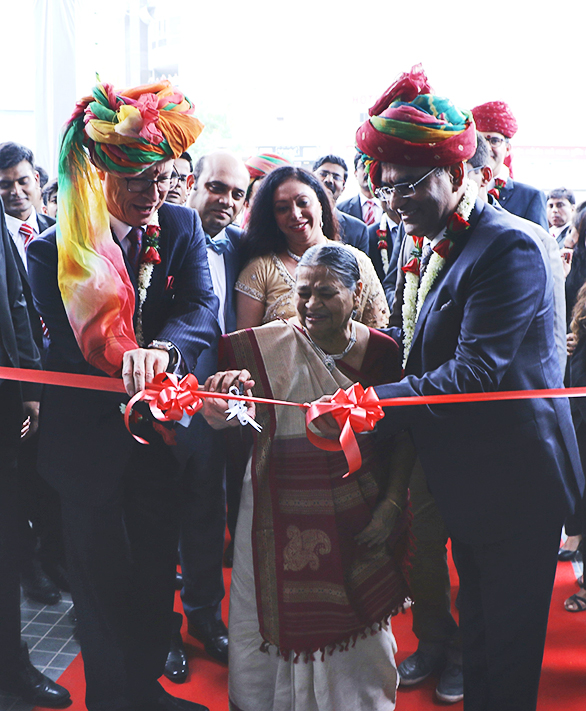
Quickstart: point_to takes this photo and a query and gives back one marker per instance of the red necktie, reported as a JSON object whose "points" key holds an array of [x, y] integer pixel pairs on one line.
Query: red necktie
{"points": [[27, 233], [135, 248], [369, 213]]}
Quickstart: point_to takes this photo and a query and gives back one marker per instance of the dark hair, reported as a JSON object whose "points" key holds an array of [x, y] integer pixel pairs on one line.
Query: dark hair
{"points": [[482, 155], [186, 156], [575, 278], [49, 190], [43, 175], [336, 160], [338, 260], [262, 235], [562, 194], [358, 158], [12, 154], [198, 169]]}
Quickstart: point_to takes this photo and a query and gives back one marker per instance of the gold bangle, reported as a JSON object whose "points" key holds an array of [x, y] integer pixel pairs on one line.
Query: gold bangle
{"points": [[395, 504]]}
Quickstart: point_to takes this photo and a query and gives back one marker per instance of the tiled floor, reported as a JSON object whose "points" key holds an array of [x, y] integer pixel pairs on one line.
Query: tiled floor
{"points": [[48, 631]]}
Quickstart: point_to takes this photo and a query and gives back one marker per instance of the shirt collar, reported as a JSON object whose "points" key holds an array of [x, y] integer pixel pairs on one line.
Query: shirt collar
{"points": [[13, 223], [119, 228]]}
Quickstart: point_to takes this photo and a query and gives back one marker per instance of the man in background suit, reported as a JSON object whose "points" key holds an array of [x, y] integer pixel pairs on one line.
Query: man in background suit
{"points": [[151, 310], [221, 182], [561, 206], [18, 350], [333, 173], [496, 123], [19, 185], [363, 206], [503, 474]]}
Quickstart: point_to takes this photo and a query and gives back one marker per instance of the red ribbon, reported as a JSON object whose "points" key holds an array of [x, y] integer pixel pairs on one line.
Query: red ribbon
{"points": [[168, 397], [355, 411]]}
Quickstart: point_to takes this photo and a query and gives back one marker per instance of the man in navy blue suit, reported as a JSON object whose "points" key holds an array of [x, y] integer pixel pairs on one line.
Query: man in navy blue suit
{"points": [[221, 182], [496, 123], [503, 473], [333, 173], [363, 206], [152, 309]]}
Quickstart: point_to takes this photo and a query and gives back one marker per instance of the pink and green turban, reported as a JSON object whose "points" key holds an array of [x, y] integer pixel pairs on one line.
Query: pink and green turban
{"points": [[261, 166], [121, 133], [409, 125]]}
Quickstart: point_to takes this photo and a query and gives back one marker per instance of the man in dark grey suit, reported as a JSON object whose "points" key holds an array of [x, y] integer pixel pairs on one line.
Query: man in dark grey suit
{"points": [[221, 182], [17, 349], [363, 206], [41, 548], [152, 311], [333, 173], [496, 123]]}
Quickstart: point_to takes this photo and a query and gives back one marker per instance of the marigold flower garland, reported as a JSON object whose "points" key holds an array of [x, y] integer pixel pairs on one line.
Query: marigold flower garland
{"points": [[415, 293], [149, 257]]}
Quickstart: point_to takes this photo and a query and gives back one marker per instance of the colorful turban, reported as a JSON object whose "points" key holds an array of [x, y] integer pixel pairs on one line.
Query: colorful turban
{"points": [[261, 166], [124, 134], [409, 125], [495, 116]]}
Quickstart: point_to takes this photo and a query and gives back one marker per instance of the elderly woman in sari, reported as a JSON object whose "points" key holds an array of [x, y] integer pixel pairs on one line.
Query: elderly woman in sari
{"points": [[319, 558], [291, 213]]}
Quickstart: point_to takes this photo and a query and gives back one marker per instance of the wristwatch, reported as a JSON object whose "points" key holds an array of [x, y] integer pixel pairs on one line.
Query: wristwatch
{"points": [[171, 350]]}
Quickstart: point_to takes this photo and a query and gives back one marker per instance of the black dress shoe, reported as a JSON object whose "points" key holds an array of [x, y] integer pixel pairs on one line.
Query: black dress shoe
{"points": [[37, 586], [176, 665], [32, 686], [178, 581], [418, 667], [565, 555], [214, 635]]}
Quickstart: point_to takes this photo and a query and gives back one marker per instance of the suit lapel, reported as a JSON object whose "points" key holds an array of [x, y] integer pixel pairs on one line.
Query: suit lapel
{"points": [[455, 253]]}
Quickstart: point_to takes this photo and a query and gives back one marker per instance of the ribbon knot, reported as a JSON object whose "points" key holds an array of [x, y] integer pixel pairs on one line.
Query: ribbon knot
{"points": [[168, 398], [355, 410]]}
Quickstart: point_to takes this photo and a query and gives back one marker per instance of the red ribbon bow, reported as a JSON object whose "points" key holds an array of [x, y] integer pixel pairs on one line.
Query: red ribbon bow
{"points": [[168, 397], [355, 410]]}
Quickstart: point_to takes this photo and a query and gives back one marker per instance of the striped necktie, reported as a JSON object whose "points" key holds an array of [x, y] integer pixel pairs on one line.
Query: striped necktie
{"points": [[27, 233], [369, 213]]}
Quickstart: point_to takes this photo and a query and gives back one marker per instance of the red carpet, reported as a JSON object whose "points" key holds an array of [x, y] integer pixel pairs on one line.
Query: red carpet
{"points": [[563, 682]]}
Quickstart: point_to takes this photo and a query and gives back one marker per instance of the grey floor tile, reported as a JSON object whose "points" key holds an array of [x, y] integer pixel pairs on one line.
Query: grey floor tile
{"points": [[31, 605], [28, 615], [62, 660], [59, 632], [41, 659], [36, 628], [72, 647], [49, 617], [49, 644], [53, 673]]}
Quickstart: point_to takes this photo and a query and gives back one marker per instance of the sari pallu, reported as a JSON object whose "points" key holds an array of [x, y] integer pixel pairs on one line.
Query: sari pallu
{"points": [[316, 589]]}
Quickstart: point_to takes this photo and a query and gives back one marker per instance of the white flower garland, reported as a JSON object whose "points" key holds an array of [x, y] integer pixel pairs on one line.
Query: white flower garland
{"points": [[145, 274], [414, 294]]}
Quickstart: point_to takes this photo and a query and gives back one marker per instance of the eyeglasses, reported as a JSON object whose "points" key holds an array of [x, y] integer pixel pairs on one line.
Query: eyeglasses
{"points": [[496, 140], [327, 174], [403, 190], [162, 183], [474, 170], [182, 178]]}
